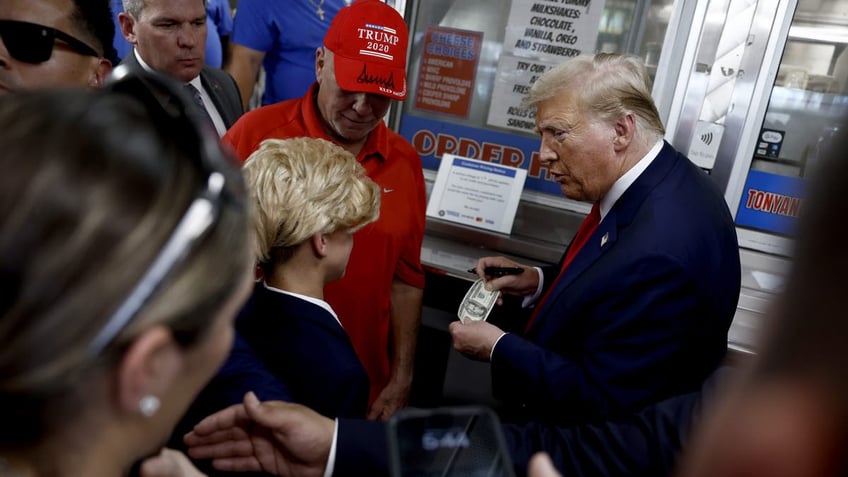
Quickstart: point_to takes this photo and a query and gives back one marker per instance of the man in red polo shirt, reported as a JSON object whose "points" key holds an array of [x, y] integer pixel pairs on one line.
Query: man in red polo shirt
{"points": [[360, 69]]}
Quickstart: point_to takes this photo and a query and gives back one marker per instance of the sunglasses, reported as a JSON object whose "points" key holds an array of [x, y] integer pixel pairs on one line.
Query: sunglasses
{"points": [[33, 43], [177, 121]]}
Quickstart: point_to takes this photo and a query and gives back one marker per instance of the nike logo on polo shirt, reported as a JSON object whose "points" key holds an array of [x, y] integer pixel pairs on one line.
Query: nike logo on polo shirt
{"points": [[386, 190]]}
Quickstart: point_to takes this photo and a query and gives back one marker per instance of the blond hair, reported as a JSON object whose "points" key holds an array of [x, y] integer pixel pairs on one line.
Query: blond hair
{"points": [[610, 85], [303, 186]]}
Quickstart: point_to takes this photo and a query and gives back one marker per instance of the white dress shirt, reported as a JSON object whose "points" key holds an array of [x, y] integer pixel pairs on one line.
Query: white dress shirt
{"points": [[211, 110]]}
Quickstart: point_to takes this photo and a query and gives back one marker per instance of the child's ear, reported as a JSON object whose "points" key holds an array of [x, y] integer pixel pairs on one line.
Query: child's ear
{"points": [[319, 244]]}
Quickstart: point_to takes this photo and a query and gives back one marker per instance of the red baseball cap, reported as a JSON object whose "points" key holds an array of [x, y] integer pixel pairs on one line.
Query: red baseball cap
{"points": [[368, 40]]}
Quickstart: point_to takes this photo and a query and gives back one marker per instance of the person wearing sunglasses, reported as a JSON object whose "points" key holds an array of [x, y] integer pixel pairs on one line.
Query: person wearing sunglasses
{"points": [[124, 256], [48, 43], [169, 37]]}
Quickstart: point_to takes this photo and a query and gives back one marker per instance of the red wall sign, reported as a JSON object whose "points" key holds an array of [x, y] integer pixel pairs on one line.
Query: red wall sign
{"points": [[447, 71]]}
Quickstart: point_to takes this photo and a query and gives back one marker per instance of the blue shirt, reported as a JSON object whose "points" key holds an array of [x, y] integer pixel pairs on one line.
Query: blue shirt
{"points": [[219, 23], [288, 32]]}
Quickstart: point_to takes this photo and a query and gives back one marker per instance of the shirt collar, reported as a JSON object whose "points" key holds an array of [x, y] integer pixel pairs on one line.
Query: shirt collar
{"points": [[629, 177], [315, 301], [143, 64], [197, 83], [194, 82]]}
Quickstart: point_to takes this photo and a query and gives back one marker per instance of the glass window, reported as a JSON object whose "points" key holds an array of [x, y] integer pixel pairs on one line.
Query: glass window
{"points": [[472, 61], [807, 104]]}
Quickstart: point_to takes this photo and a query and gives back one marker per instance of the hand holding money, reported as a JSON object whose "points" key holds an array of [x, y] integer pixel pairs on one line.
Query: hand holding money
{"points": [[475, 339]]}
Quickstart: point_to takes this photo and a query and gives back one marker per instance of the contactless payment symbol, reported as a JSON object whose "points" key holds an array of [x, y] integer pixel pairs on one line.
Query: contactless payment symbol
{"points": [[769, 143]]}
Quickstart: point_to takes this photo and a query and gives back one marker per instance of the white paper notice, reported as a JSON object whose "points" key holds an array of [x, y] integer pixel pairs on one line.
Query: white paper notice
{"points": [[555, 30], [540, 34], [476, 193], [513, 79]]}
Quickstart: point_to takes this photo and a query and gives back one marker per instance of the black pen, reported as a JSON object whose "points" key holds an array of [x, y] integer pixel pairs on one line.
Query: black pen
{"points": [[498, 271]]}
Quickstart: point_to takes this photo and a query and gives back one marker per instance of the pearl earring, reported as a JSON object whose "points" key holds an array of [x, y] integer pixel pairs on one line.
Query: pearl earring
{"points": [[148, 405]]}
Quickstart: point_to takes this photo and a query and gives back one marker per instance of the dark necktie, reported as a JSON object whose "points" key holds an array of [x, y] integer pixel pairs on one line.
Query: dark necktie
{"points": [[198, 101], [590, 223]]}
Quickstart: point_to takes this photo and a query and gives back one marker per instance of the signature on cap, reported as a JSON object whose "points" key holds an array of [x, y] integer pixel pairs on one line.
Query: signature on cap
{"points": [[364, 77]]}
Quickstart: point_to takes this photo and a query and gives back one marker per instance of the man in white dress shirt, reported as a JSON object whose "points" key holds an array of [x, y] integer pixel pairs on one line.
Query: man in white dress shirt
{"points": [[169, 36]]}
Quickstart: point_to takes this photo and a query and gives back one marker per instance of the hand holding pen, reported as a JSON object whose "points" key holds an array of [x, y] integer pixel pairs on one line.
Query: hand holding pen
{"points": [[498, 271], [506, 276]]}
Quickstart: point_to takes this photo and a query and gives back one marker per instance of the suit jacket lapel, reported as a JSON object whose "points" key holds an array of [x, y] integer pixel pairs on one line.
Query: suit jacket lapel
{"points": [[131, 62], [214, 89], [619, 217], [601, 240]]}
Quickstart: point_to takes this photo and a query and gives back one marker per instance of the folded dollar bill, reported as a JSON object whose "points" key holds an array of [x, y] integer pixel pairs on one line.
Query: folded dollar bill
{"points": [[478, 303]]}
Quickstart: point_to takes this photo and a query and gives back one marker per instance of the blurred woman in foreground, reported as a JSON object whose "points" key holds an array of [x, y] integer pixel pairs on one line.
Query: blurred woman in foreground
{"points": [[124, 256]]}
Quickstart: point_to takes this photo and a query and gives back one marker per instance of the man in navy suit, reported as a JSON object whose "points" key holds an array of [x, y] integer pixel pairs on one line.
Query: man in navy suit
{"points": [[641, 311], [169, 36], [288, 439]]}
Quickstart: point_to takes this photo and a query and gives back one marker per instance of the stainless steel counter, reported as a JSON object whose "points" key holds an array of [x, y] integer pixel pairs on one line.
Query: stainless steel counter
{"points": [[763, 276]]}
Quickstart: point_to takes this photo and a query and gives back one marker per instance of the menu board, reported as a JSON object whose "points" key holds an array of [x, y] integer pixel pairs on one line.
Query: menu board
{"points": [[553, 29], [447, 71], [539, 34]]}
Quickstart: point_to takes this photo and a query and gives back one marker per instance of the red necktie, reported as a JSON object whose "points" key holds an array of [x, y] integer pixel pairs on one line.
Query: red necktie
{"points": [[590, 223]]}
